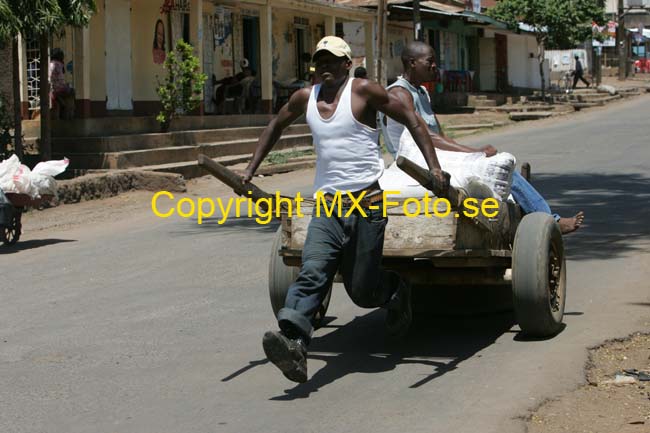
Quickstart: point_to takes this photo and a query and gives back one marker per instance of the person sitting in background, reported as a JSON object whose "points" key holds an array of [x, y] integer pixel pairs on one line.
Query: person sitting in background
{"points": [[230, 86], [61, 94]]}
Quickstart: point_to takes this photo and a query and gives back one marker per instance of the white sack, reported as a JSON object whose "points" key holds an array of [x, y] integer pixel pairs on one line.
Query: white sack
{"points": [[8, 168], [464, 168]]}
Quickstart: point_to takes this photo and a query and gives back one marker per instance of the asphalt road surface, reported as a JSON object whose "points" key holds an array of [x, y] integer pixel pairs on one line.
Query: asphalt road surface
{"points": [[131, 323]]}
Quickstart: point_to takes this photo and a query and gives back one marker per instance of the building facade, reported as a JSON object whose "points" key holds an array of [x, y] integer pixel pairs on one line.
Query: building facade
{"points": [[116, 62]]}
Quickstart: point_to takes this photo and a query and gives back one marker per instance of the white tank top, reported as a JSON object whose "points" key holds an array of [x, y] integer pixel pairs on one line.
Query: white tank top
{"points": [[348, 157]]}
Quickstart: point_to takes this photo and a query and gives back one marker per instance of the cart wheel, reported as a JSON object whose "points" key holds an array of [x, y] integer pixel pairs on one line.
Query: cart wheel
{"points": [[11, 233], [539, 275], [282, 276]]}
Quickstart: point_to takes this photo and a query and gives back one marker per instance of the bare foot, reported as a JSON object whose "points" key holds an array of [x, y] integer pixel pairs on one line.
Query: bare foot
{"points": [[569, 225]]}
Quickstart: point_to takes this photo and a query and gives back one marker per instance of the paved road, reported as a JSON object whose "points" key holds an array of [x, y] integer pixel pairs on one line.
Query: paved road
{"points": [[145, 325]]}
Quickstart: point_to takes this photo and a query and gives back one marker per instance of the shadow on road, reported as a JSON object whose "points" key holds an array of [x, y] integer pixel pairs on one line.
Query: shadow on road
{"points": [[616, 209], [361, 346], [231, 225], [33, 243]]}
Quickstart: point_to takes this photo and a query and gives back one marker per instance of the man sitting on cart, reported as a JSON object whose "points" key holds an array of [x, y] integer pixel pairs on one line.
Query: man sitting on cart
{"points": [[341, 113], [418, 60]]}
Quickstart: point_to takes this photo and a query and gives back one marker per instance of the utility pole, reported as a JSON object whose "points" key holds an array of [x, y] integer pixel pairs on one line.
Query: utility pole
{"points": [[381, 40], [621, 42], [417, 22]]}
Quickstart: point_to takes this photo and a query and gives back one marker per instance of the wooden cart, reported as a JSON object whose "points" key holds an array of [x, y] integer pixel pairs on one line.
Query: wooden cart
{"points": [[526, 254], [10, 234]]}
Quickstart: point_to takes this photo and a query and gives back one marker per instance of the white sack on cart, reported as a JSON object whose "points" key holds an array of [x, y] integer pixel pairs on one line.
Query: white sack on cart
{"points": [[18, 178], [43, 175], [8, 168], [23, 182], [495, 172]]}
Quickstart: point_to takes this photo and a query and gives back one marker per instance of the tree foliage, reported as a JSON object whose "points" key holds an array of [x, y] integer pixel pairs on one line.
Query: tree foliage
{"points": [[182, 90], [560, 24], [42, 16]]}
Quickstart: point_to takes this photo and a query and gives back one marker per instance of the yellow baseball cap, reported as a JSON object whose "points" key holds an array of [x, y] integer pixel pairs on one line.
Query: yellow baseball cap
{"points": [[334, 45]]}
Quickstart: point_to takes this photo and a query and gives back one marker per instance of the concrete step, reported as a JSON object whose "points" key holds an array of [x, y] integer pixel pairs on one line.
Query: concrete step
{"points": [[470, 126], [472, 108], [524, 108], [173, 154], [628, 93], [586, 91], [580, 105], [600, 99], [533, 115], [121, 143], [481, 101], [486, 103]]}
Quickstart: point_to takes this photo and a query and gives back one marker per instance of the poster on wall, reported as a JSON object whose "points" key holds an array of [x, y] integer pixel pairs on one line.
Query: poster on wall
{"points": [[159, 50], [222, 30], [223, 39]]}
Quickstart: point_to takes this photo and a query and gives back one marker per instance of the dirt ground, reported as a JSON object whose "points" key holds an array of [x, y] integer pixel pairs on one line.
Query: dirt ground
{"points": [[602, 406], [476, 117]]}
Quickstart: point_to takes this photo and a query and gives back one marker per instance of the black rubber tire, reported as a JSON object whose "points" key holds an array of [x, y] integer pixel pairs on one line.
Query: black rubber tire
{"points": [[11, 234], [282, 276], [538, 295]]}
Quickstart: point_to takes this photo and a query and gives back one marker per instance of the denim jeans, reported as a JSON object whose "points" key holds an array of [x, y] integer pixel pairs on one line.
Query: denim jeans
{"points": [[528, 198], [352, 245]]}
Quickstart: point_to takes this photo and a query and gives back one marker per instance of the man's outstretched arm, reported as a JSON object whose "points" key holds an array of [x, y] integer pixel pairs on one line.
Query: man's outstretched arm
{"points": [[292, 110]]}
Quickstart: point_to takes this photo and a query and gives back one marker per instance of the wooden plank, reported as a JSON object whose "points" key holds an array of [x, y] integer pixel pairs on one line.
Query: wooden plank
{"points": [[402, 232]]}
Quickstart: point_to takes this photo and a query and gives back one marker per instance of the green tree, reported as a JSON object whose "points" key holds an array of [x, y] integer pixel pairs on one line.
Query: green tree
{"points": [[40, 18], [558, 24], [182, 90]]}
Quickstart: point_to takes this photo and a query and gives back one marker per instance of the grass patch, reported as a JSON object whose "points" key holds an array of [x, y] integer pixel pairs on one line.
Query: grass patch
{"points": [[280, 157]]}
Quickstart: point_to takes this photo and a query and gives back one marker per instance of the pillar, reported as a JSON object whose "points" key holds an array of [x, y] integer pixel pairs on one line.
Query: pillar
{"points": [[330, 25], [266, 58], [368, 31]]}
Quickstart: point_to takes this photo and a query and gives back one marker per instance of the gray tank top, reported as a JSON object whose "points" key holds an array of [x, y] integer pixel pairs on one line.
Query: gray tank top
{"points": [[393, 129]]}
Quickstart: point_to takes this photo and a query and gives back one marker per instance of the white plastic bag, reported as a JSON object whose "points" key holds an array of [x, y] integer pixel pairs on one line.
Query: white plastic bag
{"points": [[43, 175], [51, 168], [45, 185], [8, 169], [18, 178], [23, 182]]}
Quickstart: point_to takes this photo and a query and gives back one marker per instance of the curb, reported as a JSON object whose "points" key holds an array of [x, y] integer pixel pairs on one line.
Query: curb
{"points": [[97, 186]]}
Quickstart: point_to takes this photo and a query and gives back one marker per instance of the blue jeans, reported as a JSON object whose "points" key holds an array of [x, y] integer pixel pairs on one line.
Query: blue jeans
{"points": [[528, 198], [352, 245]]}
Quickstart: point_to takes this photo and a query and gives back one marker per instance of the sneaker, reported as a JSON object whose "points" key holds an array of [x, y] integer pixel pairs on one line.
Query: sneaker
{"points": [[289, 355], [399, 315]]}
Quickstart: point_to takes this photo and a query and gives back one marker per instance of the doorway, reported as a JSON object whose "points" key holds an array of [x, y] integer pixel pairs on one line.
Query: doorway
{"points": [[251, 31], [501, 46], [118, 55], [302, 54]]}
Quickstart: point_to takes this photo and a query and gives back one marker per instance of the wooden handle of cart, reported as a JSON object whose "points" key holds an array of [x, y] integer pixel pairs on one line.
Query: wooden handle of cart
{"points": [[427, 180], [232, 179]]}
